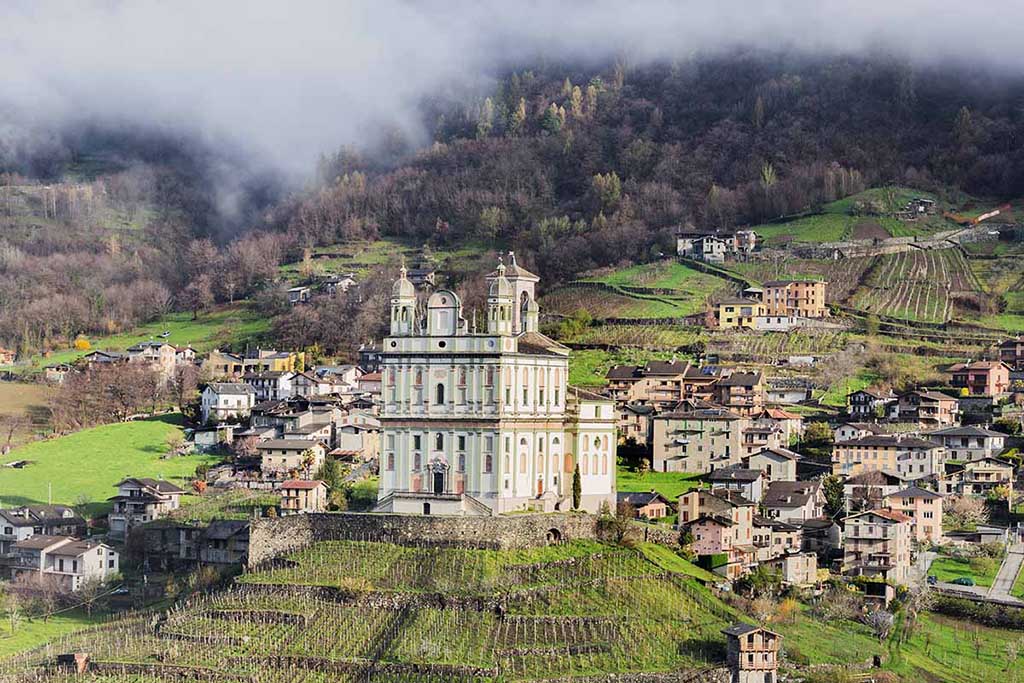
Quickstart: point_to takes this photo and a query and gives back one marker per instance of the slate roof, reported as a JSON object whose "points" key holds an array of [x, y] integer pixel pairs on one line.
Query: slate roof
{"points": [[742, 379], [702, 414], [287, 444], [970, 430], [781, 452], [735, 474], [231, 388], [156, 484], [790, 493], [915, 492], [639, 499], [887, 440]]}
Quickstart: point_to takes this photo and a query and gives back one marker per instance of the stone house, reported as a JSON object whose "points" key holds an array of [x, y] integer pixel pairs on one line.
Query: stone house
{"points": [[752, 654], [750, 483], [299, 495], [56, 373], [141, 500], [778, 464], [969, 443], [924, 507], [299, 294], [224, 541], [981, 378], [650, 505], [65, 561], [359, 431], [21, 523], [697, 440], [877, 543], [221, 401], [160, 356], [636, 422], [280, 458], [794, 502]]}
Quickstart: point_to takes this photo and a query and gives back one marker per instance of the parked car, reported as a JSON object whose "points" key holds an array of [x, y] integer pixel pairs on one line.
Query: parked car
{"points": [[963, 581]]}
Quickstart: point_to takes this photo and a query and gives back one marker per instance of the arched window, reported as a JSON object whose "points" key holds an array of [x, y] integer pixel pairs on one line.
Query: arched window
{"points": [[584, 460], [604, 443], [419, 377], [416, 462], [462, 462], [439, 442], [391, 462], [405, 314], [604, 464], [462, 377], [523, 442], [540, 444], [439, 394], [555, 441], [593, 463], [488, 464], [568, 462]]}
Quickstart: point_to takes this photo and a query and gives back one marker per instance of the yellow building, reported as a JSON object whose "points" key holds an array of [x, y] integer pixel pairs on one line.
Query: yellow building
{"points": [[738, 312], [223, 364]]}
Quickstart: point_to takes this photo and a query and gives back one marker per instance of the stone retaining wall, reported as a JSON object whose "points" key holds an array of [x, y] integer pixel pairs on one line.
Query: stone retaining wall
{"points": [[272, 537]]}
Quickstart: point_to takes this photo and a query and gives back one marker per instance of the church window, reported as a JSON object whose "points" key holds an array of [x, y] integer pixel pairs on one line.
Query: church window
{"points": [[508, 463], [489, 377], [488, 464], [462, 377], [604, 443], [439, 394], [489, 444], [462, 443], [540, 444], [556, 396], [439, 442], [540, 395], [523, 442], [418, 377], [391, 462], [584, 460], [540, 463], [462, 462], [522, 463], [593, 463], [568, 462], [405, 314], [555, 441], [416, 442], [526, 395], [604, 464], [416, 462]]}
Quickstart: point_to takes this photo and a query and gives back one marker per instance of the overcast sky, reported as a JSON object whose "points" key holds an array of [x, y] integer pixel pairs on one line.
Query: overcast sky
{"points": [[288, 80]]}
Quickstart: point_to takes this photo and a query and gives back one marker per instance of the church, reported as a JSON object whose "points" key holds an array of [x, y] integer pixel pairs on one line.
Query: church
{"points": [[485, 422]]}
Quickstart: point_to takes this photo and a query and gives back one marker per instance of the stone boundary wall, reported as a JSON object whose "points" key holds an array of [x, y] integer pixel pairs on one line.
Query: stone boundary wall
{"points": [[894, 245], [271, 537]]}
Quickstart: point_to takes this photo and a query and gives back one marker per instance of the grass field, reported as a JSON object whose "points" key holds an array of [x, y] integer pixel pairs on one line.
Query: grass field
{"points": [[30, 634], [222, 327], [587, 368], [88, 463], [26, 401], [946, 569], [669, 484]]}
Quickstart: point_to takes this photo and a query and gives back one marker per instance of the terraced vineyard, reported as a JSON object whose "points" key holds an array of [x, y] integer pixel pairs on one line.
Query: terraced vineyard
{"points": [[916, 285], [382, 613], [843, 275]]}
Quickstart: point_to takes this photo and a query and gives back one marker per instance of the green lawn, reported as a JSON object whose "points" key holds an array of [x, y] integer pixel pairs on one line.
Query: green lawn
{"points": [[221, 327], [836, 394], [669, 484], [88, 463], [588, 368], [946, 569], [30, 634]]}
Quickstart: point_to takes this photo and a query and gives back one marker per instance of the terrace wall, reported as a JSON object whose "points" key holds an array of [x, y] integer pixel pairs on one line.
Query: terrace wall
{"points": [[271, 537]]}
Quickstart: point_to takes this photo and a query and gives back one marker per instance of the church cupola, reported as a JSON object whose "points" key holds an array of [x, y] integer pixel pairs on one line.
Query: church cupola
{"points": [[403, 305], [500, 303]]}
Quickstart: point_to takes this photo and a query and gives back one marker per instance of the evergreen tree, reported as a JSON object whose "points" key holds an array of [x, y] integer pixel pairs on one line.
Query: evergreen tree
{"points": [[577, 488], [515, 126]]}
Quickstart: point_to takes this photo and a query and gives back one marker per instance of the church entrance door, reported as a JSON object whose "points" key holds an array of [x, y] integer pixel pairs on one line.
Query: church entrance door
{"points": [[438, 483]]}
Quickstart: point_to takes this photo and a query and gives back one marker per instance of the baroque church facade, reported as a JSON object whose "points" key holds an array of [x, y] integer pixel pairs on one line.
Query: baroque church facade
{"points": [[485, 422]]}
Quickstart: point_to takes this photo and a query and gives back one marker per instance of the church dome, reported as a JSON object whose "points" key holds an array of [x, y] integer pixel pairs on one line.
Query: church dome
{"points": [[403, 289], [500, 286]]}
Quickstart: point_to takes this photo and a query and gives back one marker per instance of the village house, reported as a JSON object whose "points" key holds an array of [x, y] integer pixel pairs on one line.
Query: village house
{"points": [[636, 422], [930, 409], [270, 385], [65, 561], [698, 440], [699, 382], [209, 439], [284, 458], [1011, 352], [869, 404], [368, 357], [184, 355], [752, 654], [713, 247], [877, 543], [56, 373], [650, 505], [796, 569], [759, 435], [977, 477], [298, 495], [778, 464], [867, 490], [223, 542], [908, 456], [788, 391], [969, 443], [791, 424], [734, 312], [720, 522], [344, 377], [793, 502], [741, 392], [801, 298], [981, 378], [222, 401], [21, 523], [659, 384], [160, 356], [99, 357], [924, 507], [334, 283], [370, 383], [219, 364], [310, 385], [773, 538], [140, 500], [850, 431], [322, 432], [358, 432], [299, 294], [750, 483], [821, 535]]}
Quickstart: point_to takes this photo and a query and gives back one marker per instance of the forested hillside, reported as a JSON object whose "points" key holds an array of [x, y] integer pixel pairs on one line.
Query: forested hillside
{"points": [[573, 167]]}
